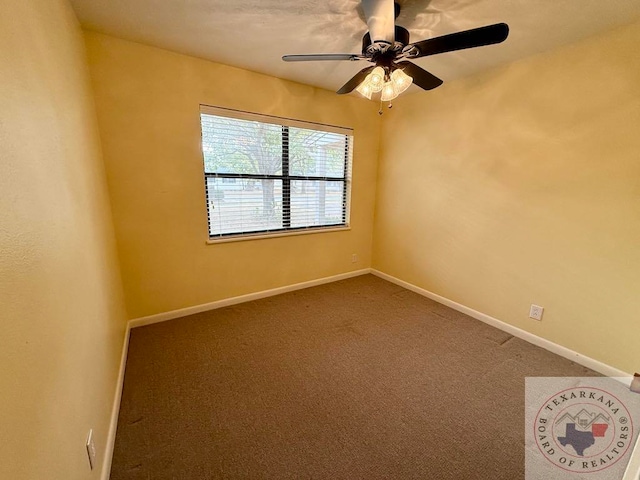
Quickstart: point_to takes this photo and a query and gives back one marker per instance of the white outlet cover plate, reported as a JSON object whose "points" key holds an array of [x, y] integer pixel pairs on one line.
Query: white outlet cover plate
{"points": [[536, 312]]}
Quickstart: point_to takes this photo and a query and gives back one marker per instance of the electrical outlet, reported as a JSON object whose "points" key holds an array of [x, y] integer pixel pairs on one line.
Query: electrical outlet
{"points": [[91, 449], [354, 258], [536, 312]]}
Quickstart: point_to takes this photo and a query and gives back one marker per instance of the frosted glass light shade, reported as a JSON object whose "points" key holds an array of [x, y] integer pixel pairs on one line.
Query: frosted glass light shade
{"points": [[376, 79], [401, 81], [364, 89], [388, 92]]}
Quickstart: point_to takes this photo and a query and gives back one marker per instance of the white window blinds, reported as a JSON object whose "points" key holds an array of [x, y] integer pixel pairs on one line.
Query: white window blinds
{"points": [[268, 174]]}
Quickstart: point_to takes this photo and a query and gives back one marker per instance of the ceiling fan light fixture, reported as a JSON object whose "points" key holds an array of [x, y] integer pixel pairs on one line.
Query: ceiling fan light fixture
{"points": [[390, 85]]}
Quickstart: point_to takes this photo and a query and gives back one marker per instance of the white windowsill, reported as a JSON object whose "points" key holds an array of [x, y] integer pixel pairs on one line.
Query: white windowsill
{"points": [[260, 236]]}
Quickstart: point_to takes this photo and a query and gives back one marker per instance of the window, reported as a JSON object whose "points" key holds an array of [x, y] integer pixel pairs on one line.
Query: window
{"points": [[268, 175]]}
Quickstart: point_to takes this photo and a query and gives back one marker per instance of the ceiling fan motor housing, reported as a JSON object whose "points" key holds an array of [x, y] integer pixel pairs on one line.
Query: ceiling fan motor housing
{"points": [[401, 39]]}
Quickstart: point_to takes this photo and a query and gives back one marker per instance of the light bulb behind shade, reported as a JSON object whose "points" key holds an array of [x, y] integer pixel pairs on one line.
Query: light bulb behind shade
{"points": [[388, 92], [364, 88], [376, 79], [401, 81]]}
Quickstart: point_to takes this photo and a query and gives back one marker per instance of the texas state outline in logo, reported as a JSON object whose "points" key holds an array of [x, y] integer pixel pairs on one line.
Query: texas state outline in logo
{"points": [[583, 429]]}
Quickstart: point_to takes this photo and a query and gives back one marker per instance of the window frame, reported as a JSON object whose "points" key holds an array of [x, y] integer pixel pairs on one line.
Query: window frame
{"points": [[286, 178]]}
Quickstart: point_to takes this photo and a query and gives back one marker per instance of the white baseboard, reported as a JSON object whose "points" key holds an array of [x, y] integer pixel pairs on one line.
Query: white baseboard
{"points": [[113, 425], [583, 360], [183, 312]]}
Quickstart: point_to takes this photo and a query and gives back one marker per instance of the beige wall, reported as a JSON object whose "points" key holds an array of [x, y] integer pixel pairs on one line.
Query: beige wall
{"points": [[517, 186], [148, 109], [62, 309], [522, 186]]}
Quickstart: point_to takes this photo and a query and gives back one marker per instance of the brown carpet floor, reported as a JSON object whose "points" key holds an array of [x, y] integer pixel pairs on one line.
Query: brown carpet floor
{"points": [[358, 379]]}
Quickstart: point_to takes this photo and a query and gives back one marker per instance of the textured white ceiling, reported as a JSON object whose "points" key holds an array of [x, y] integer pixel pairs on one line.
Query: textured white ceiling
{"points": [[254, 34]]}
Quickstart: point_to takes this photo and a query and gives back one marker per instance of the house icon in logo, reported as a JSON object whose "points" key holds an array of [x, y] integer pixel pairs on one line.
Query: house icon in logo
{"points": [[584, 420]]}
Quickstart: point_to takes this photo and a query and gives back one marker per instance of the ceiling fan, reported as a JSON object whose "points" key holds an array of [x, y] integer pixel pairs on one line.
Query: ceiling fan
{"points": [[387, 47]]}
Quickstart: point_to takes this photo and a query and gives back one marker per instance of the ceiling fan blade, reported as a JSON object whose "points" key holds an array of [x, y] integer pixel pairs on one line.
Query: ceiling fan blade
{"points": [[355, 81], [380, 15], [314, 57], [421, 77], [476, 37]]}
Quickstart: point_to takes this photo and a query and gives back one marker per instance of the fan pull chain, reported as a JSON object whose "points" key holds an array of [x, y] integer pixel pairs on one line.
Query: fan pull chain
{"points": [[381, 111]]}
